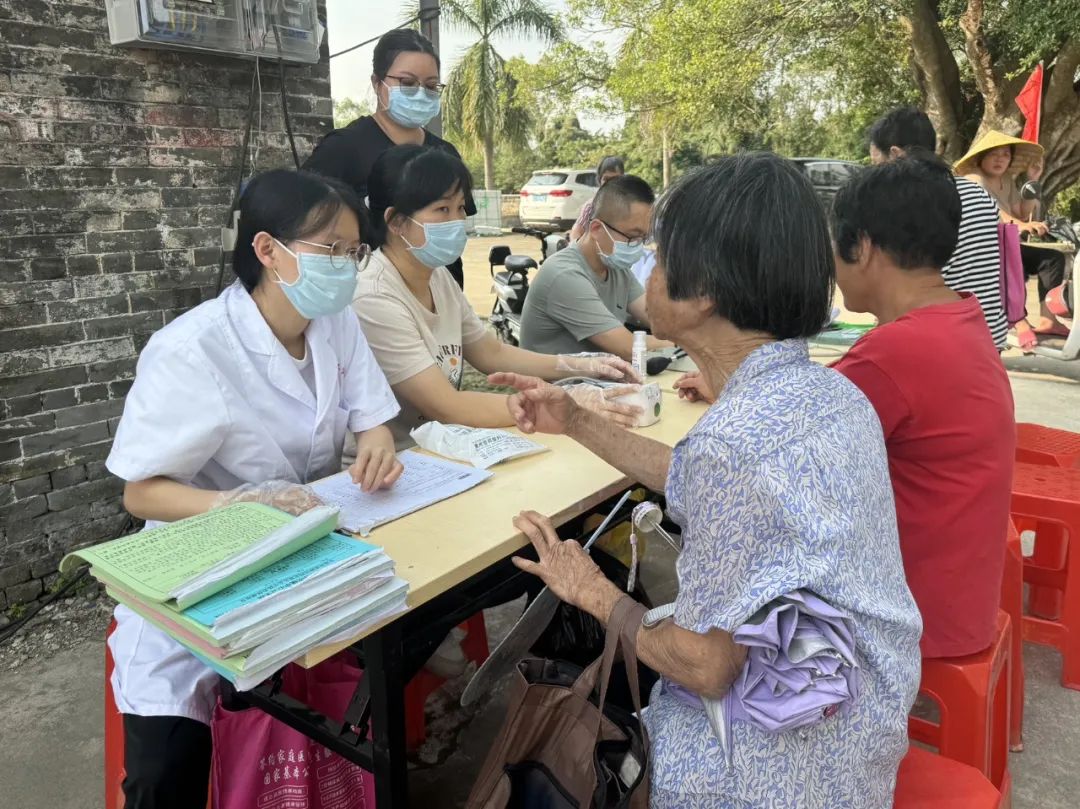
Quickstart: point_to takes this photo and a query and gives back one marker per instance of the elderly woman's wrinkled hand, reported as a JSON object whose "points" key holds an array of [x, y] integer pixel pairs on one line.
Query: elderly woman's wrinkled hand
{"points": [[537, 407], [564, 566], [693, 387], [1038, 228]]}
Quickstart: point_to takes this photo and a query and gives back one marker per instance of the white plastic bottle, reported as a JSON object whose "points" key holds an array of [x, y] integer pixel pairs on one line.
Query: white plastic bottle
{"points": [[638, 354]]}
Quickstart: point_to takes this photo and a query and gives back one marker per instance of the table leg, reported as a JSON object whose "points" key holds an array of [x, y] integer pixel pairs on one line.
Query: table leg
{"points": [[383, 670]]}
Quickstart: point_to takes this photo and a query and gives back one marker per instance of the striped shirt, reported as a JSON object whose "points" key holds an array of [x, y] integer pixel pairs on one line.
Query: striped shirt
{"points": [[975, 265]]}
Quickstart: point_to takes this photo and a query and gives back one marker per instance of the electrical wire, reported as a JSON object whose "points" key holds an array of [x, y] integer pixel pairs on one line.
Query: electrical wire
{"points": [[284, 99], [9, 631], [405, 24]]}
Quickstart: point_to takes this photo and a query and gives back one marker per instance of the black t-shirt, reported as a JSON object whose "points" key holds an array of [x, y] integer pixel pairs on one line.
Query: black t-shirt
{"points": [[348, 154]]}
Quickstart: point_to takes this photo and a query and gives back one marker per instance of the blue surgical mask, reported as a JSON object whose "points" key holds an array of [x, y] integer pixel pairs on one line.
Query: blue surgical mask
{"points": [[414, 110], [321, 288], [444, 242], [623, 256]]}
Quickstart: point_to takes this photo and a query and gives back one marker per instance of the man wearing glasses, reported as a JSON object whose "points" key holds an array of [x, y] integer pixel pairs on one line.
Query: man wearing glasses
{"points": [[584, 295]]}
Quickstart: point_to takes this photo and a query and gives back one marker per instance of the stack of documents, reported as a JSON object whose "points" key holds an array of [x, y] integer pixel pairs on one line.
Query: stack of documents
{"points": [[248, 588]]}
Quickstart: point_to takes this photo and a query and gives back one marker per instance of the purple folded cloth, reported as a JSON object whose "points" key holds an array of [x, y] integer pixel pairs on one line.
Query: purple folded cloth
{"points": [[800, 670]]}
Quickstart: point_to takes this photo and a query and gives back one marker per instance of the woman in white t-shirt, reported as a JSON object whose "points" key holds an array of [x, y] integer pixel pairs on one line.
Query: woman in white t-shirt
{"points": [[418, 322]]}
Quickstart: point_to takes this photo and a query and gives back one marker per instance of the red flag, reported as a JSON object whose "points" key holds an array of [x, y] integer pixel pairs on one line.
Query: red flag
{"points": [[1030, 103]]}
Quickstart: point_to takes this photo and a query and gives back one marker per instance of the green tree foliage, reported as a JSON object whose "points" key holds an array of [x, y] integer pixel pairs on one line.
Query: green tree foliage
{"points": [[347, 110], [480, 105]]}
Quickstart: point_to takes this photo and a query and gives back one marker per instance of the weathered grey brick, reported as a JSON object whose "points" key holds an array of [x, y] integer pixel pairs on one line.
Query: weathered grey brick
{"points": [[119, 388], [88, 308], [13, 574], [48, 268], [87, 413], [92, 351], [82, 265], [137, 323], [23, 314], [84, 494], [43, 245], [59, 399], [42, 336], [43, 381], [10, 450], [116, 262], [63, 478], [117, 369], [14, 270], [47, 462], [120, 240], [165, 299], [23, 593], [100, 286], [26, 425], [69, 177], [23, 362], [41, 568], [27, 487], [90, 394], [35, 291], [192, 237], [23, 406], [167, 178], [24, 510], [64, 439]]}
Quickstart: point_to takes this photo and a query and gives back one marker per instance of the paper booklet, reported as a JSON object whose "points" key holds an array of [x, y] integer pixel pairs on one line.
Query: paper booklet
{"points": [[426, 480], [189, 560]]}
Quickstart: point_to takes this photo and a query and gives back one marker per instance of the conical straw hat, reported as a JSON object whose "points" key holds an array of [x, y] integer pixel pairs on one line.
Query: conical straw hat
{"points": [[1024, 152]]}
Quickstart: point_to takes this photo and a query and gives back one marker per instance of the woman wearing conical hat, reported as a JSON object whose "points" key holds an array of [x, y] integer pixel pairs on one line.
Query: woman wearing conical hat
{"points": [[995, 161]]}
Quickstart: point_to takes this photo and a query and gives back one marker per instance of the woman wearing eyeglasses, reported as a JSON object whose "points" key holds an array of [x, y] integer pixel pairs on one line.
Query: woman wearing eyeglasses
{"points": [[246, 397], [405, 77], [419, 324]]}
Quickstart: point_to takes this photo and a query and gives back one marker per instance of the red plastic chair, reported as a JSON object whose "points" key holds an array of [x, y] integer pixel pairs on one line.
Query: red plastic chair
{"points": [[929, 781], [425, 683], [1012, 601], [1051, 497], [972, 694], [1047, 446]]}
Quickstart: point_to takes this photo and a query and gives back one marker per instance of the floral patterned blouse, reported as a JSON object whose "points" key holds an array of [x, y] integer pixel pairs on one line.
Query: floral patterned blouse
{"points": [[783, 484]]}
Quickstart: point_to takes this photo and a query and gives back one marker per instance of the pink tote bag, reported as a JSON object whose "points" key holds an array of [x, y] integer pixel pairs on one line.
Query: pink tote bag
{"points": [[1013, 288], [261, 763]]}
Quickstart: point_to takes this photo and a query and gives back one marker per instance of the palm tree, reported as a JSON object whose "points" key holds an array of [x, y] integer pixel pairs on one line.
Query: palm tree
{"points": [[479, 102]]}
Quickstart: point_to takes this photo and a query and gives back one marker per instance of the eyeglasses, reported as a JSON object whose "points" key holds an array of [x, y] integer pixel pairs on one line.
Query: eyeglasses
{"points": [[342, 253], [410, 85], [633, 241]]}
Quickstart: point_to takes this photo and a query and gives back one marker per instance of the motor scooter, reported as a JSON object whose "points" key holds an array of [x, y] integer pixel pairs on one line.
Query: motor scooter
{"points": [[511, 284]]}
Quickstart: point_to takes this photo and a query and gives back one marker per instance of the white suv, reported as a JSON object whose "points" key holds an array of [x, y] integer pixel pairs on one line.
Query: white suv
{"points": [[556, 196]]}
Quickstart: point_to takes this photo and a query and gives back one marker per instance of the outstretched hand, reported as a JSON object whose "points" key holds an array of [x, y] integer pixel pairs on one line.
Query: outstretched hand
{"points": [[537, 407]]}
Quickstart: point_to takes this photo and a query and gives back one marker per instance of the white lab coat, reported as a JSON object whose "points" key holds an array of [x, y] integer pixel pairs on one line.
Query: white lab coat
{"points": [[217, 402]]}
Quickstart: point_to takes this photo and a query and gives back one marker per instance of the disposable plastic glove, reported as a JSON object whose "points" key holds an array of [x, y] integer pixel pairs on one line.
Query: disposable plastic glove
{"points": [[597, 366], [600, 400], [292, 498]]}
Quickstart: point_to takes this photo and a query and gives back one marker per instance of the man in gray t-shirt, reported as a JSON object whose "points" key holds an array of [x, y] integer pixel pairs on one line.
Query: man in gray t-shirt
{"points": [[583, 296]]}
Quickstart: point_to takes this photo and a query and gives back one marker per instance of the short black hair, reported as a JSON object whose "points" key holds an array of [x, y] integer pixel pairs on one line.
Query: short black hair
{"points": [[610, 163], [288, 205], [408, 178], [909, 208], [905, 128], [398, 41], [748, 233], [616, 196]]}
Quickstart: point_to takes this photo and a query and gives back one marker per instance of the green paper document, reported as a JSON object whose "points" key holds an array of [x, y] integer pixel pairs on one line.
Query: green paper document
{"points": [[192, 559]]}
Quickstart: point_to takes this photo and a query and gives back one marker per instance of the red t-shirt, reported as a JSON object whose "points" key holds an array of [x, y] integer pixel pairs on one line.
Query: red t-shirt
{"points": [[946, 409]]}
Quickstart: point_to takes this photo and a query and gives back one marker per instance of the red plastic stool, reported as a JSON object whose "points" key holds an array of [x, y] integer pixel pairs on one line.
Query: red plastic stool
{"points": [[425, 683], [929, 781], [1052, 495], [114, 738], [1012, 601], [972, 694], [1047, 446]]}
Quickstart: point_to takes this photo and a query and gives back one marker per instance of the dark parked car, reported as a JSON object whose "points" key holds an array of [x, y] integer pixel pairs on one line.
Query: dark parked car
{"points": [[826, 174]]}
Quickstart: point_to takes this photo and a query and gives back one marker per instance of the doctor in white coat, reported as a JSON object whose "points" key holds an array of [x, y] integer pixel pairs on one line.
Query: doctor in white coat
{"points": [[245, 397]]}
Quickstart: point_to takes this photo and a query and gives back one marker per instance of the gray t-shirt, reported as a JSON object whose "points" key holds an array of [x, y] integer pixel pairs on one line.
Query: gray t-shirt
{"points": [[568, 303]]}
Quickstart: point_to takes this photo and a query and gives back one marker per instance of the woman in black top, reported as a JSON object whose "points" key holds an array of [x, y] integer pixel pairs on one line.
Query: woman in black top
{"points": [[405, 77]]}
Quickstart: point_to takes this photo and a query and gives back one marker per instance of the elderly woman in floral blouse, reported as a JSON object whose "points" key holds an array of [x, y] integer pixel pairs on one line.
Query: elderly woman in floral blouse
{"points": [[782, 486]]}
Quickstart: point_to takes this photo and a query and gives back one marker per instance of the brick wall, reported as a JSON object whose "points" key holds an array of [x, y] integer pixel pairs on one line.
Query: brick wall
{"points": [[116, 171]]}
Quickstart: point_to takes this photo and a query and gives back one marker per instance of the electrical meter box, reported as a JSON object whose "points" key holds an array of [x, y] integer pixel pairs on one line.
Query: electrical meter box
{"points": [[288, 29]]}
